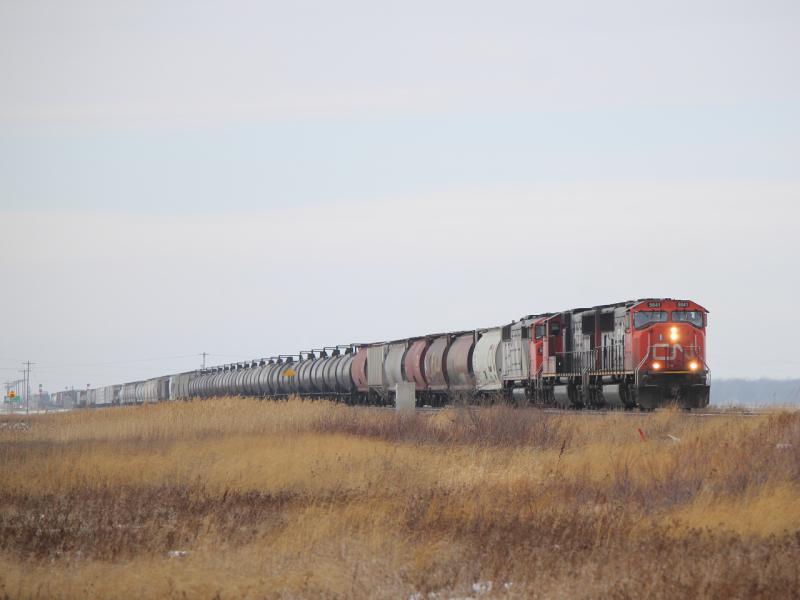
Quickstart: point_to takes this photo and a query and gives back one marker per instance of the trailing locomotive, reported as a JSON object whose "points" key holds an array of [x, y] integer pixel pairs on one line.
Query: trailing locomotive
{"points": [[643, 353]]}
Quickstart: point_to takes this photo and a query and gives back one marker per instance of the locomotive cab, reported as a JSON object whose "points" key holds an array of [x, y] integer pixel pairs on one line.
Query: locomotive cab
{"points": [[538, 339], [668, 352]]}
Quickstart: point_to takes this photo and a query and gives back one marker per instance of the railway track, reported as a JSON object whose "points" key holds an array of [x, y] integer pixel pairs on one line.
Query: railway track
{"points": [[745, 412], [600, 413]]}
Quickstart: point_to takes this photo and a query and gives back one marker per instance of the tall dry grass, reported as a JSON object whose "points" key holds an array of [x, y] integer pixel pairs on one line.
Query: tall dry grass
{"points": [[239, 498]]}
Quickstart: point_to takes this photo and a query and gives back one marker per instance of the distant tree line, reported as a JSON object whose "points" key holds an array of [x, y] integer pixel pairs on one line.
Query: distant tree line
{"points": [[755, 391]]}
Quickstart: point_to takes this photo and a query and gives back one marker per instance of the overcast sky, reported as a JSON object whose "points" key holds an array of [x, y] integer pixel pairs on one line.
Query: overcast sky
{"points": [[255, 178]]}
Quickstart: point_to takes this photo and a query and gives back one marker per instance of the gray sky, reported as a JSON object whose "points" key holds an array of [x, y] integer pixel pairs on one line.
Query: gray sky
{"points": [[255, 178]]}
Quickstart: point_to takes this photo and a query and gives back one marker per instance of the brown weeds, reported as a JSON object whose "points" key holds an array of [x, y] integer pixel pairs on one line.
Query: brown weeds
{"points": [[239, 498]]}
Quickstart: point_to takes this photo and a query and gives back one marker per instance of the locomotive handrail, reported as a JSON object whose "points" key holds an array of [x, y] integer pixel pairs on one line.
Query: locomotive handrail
{"points": [[612, 358], [701, 357], [640, 365]]}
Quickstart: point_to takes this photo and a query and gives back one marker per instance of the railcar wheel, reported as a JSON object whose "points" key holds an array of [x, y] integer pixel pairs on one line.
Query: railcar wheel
{"points": [[627, 397], [696, 397], [561, 397], [649, 398], [519, 397], [575, 397]]}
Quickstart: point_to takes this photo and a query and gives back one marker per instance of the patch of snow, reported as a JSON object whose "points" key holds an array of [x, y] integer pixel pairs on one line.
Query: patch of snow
{"points": [[482, 587]]}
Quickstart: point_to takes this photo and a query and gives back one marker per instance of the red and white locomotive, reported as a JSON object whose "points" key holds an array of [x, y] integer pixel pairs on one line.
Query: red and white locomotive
{"points": [[644, 353]]}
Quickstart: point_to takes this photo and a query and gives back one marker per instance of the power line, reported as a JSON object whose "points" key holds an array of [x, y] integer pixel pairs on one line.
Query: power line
{"points": [[48, 366], [56, 365]]}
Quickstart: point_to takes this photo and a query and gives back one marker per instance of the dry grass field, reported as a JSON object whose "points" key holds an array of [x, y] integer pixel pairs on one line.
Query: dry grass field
{"points": [[235, 498]]}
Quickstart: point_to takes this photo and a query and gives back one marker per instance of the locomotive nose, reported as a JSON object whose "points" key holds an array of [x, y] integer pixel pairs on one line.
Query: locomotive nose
{"points": [[675, 349], [674, 334]]}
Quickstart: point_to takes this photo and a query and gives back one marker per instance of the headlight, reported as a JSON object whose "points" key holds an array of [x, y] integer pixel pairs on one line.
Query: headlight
{"points": [[693, 365], [656, 366], [673, 334]]}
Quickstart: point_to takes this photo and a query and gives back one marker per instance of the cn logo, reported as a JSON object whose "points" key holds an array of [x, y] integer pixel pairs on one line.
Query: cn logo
{"points": [[668, 354]]}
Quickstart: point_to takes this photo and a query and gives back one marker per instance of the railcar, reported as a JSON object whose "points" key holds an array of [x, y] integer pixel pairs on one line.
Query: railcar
{"points": [[65, 399], [107, 395]]}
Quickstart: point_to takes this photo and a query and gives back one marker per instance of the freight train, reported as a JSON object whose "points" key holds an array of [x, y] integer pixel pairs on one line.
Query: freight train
{"points": [[634, 354]]}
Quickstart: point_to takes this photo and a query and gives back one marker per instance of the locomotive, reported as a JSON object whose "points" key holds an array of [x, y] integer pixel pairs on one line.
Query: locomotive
{"points": [[635, 354]]}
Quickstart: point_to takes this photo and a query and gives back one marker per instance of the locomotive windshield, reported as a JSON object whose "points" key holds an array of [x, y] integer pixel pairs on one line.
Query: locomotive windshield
{"points": [[695, 317], [648, 317]]}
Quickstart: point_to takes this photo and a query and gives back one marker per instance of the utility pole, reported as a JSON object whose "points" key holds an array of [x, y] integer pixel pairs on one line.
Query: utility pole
{"points": [[21, 387], [27, 389], [9, 385]]}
